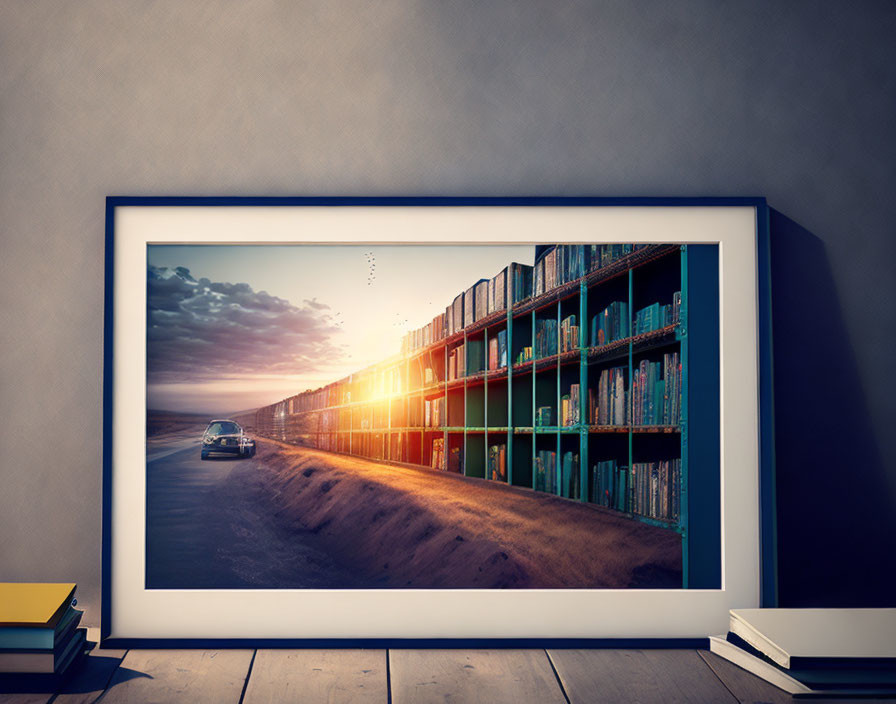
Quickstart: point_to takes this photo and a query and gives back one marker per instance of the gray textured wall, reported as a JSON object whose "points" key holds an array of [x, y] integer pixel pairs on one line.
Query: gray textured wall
{"points": [[792, 100]]}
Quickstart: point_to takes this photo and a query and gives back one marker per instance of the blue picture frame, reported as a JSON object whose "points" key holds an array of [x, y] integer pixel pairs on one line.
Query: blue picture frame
{"points": [[767, 527]]}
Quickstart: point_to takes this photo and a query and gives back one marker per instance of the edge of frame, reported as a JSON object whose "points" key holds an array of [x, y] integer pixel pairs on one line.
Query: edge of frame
{"points": [[108, 304], [768, 532], [768, 551], [343, 643]]}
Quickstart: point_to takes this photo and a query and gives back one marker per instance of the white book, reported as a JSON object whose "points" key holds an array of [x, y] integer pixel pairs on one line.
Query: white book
{"points": [[784, 635], [760, 668], [793, 686]]}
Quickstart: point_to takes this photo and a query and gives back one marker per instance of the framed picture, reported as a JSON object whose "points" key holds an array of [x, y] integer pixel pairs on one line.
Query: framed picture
{"points": [[379, 420]]}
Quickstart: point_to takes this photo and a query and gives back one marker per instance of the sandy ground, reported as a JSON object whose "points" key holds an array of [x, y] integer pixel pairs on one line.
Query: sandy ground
{"points": [[409, 527], [300, 518]]}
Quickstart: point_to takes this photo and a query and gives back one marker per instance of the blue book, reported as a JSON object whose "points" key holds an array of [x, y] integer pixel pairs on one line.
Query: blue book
{"points": [[39, 638]]}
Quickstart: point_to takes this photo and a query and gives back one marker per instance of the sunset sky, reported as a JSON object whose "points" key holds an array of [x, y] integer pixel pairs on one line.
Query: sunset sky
{"points": [[233, 327]]}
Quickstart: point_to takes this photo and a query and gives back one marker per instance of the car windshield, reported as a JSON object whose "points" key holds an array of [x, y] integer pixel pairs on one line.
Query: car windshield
{"points": [[223, 428]]}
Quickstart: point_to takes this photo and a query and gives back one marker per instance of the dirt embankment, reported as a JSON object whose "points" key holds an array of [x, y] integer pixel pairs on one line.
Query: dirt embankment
{"points": [[407, 527]]}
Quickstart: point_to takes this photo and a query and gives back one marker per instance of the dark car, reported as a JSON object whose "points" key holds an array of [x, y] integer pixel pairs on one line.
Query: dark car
{"points": [[227, 438]]}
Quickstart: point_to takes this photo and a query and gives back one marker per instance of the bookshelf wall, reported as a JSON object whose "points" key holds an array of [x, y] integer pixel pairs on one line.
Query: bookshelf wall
{"points": [[570, 377]]}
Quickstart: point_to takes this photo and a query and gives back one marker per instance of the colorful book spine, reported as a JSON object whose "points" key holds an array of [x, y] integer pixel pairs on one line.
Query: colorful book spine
{"points": [[435, 413], [569, 475], [497, 462], [469, 306], [497, 290], [571, 262], [457, 313], [438, 454], [480, 297], [455, 460], [545, 338], [657, 316], [543, 416], [611, 324], [569, 407], [656, 489], [457, 362], [520, 283], [545, 469], [609, 406], [550, 270], [656, 391], [608, 484], [497, 351], [569, 334]]}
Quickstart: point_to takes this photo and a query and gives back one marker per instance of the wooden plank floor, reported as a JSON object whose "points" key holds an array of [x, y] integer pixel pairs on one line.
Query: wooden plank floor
{"points": [[402, 677]]}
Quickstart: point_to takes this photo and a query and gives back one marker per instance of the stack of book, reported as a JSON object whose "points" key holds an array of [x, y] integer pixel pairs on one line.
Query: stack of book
{"points": [[39, 631], [815, 652]]}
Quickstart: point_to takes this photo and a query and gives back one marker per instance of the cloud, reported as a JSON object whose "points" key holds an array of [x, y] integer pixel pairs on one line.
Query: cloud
{"points": [[317, 305], [201, 330]]}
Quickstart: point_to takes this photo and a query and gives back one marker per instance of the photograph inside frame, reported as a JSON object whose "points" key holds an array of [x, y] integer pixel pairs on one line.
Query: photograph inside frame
{"points": [[415, 416]]}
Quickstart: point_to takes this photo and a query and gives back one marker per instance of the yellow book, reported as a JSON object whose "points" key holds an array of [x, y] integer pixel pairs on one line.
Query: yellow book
{"points": [[33, 604]]}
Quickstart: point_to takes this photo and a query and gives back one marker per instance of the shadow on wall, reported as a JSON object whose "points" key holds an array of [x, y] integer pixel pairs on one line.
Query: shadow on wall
{"points": [[836, 527]]}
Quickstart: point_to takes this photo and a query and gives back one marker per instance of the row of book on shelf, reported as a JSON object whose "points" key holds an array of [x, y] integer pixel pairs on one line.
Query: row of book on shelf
{"points": [[608, 326], [650, 489], [653, 399], [554, 479], [555, 266]]}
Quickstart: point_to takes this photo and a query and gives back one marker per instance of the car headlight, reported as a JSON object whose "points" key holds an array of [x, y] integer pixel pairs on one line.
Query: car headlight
{"points": [[207, 440]]}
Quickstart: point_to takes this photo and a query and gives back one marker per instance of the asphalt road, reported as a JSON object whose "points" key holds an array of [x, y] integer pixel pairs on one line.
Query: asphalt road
{"points": [[210, 525]]}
